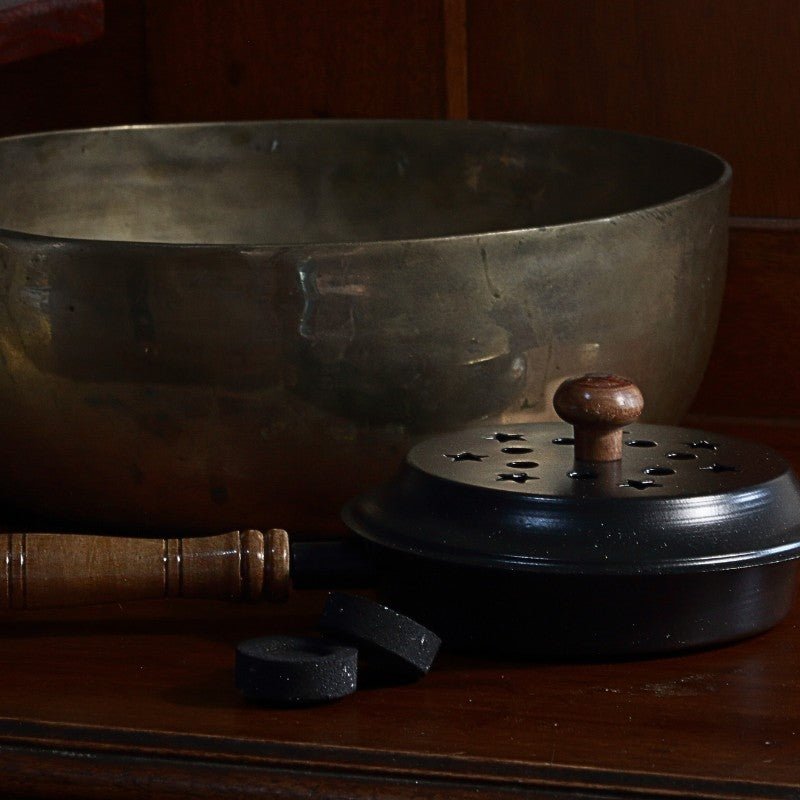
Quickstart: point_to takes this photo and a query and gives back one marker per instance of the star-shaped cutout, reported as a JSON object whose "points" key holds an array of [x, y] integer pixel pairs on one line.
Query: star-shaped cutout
{"points": [[507, 437], [466, 456], [646, 483], [517, 477]]}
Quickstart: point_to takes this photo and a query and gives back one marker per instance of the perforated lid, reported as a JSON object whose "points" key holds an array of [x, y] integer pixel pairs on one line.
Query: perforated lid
{"points": [[516, 498]]}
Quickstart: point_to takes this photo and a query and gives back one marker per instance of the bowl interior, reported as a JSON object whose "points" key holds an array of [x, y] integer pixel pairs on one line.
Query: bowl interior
{"points": [[333, 181]]}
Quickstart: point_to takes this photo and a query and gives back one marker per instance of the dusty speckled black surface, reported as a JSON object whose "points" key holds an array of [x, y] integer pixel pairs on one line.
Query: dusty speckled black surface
{"points": [[295, 670], [391, 641]]}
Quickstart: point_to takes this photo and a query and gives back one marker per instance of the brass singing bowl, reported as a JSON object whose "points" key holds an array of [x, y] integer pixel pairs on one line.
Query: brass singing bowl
{"points": [[236, 324]]}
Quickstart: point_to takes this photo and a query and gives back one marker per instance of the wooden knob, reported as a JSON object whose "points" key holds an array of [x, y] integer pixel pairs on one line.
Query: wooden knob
{"points": [[598, 407]]}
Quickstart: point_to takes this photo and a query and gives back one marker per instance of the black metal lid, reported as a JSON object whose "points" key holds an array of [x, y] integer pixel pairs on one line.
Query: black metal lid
{"points": [[515, 498]]}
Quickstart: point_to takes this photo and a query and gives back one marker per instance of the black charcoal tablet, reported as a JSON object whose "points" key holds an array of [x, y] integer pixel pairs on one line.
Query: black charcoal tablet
{"points": [[295, 670], [387, 639]]}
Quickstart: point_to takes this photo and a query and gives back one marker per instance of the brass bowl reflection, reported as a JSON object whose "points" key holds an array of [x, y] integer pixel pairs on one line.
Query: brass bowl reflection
{"points": [[244, 324]]}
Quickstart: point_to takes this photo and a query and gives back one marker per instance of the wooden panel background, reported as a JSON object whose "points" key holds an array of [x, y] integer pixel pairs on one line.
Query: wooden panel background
{"points": [[245, 59], [717, 74], [100, 83]]}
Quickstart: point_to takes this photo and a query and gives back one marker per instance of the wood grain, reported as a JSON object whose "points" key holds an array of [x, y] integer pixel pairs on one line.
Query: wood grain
{"points": [[455, 55], [753, 368], [99, 83], [140, 698], [38, 26], [716, 74], [598, 407], [45, 570], [311, 58]]}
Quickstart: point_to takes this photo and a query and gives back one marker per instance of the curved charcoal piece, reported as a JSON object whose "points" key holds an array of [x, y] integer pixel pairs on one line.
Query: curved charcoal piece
{"points": [[295, 670], [395, 643]]}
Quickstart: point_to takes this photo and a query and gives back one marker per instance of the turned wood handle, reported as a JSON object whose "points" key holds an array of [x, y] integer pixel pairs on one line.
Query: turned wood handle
{"points": [[46, 570], [599, 407]]}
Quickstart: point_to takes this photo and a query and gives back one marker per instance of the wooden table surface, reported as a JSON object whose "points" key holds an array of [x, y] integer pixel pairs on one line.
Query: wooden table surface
{"points": [[138, 700]]}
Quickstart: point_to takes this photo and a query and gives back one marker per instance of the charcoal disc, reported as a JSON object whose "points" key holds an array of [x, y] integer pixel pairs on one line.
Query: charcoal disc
{"points": [[295, 670], [390, 640]]}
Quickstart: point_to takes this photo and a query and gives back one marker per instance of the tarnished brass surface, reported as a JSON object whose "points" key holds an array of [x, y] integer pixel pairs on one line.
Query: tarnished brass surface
{"points": [[241, 325]]}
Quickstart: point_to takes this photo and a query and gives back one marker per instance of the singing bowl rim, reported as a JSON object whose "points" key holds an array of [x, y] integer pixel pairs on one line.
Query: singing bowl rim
{"points": [[606, 135]]}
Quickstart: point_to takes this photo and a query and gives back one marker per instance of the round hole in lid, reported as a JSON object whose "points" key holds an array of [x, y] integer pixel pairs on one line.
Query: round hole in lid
{"points": [[657, 470], [582, 475], [715, 467], [702, 444]]}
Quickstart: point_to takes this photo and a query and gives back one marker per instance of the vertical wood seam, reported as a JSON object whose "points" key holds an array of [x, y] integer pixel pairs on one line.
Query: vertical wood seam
{"points": [[244, 587], [148, 109], [9, 569], [165, 564], [173, 568], [16, 568], [179, 556], [455, 59], [23, 563]]}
